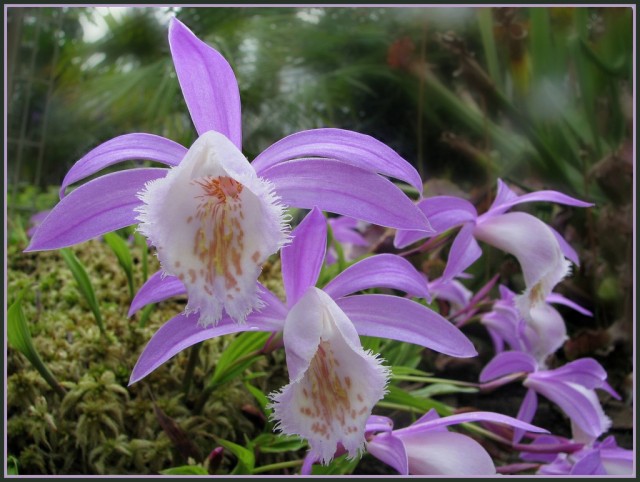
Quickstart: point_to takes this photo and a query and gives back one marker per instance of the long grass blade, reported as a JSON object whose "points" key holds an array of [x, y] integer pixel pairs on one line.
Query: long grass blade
{"points": [[84, 284], [19, 337]]}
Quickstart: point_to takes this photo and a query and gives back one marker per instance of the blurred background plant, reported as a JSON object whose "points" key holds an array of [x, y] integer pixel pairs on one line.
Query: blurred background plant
{"points": [[541, 97]]}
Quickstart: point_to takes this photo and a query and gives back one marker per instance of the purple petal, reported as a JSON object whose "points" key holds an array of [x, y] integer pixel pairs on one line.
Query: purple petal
{"points": [[548, 196], [183, 331], [124, 148], [585, 371], [566, 248], [617, 461], [450, 290], [463, 253], [405, 320], [503, 196], [526, 413], [558, 299], [379, 271], [344, 189], [446, 453], [102, 205], [302, 259], [446, 212], [580, 404], [345, 231], [378, 423], [157, 288], [346, 146], [404, 238], [531, 242], [466, 418], [590, 464], [507, 363], [208, 84], [391, 451]]}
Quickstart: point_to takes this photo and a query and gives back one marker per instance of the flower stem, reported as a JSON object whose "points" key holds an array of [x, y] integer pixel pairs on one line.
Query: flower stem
{"points": [[191, 365], [277, 466]]}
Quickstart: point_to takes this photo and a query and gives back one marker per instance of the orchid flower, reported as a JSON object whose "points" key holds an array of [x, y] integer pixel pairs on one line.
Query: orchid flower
{"points": [[540, 250], [346, 231], [540, 336], [213, 216], [334, 382], [428, 448], [451, 290], [571, 387], [596, 458]]}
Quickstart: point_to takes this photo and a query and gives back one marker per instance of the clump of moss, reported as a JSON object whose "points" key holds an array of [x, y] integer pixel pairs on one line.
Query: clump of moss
{"points": [[102, 425]]}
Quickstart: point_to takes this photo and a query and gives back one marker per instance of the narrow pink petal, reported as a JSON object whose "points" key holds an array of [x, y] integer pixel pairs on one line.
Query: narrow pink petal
{"points": [[341, 188], [446, 453], [503, 195], [463, 253], [401, 319], [102, 205], [558, 299], [438, 423], [124, 148], [158, 287], [208, 84], [404, 238], [303, 258], [379, 271], [446, 212], [507, 363], [347, 146], [566, 248], [526, 413], [547, 196], [585, 371], [183, 331], [391, 451]]}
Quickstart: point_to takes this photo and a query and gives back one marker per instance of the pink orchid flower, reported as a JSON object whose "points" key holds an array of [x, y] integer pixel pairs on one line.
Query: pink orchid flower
{"points": [[213, 216], [571, 387], [334, 382], [540, 250]]}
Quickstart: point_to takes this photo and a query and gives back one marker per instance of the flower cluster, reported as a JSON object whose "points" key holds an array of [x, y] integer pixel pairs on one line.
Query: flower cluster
{"points": [[214, 218]]}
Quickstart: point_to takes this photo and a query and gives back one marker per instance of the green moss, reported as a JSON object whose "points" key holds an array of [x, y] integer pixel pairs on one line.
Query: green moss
{"points": [[103, 426]]}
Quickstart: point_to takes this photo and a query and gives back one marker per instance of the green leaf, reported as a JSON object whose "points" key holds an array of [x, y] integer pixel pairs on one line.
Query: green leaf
{"points": [[339, 466], [19, 337], [246, 458], [122, 252], [260, 397], [400, 399], [84, 283], [485, 23], [401, 371], [442, 389], [238, 355], [185, 470]]}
